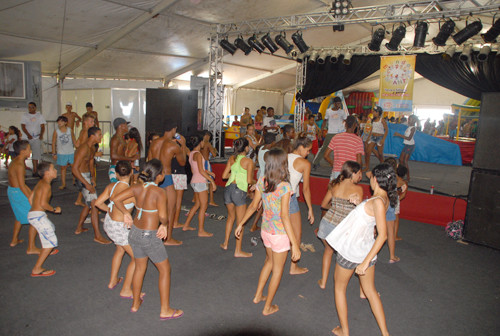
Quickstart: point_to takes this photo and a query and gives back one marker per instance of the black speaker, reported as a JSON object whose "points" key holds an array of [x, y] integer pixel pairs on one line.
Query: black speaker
{"points": [[482, 218], [488, 133]]}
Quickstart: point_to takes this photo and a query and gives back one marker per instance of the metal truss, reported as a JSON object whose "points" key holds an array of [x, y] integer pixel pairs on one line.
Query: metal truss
{"points": [[378, 14], [214, 114], [300, 106]]}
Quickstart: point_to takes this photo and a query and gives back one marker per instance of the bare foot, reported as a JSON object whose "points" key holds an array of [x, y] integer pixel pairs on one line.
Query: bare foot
{"points": [[35, 250], [398, 238], [178, 225], [15, 242], [188, 228], [205, 234], [172, 242], [259, 299], [242, 254], [222, 246], [112, 285], [80, 204], [213, 204], [77, 232], [321, 285], [254, 228], [394, 260], [338, 331], [298, 270], [102, 240], [135, 309], [62, 187], [273, 309]]}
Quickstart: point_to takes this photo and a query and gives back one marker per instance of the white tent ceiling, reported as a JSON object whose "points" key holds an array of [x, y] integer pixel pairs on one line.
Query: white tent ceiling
{"points": [[167, 43]]}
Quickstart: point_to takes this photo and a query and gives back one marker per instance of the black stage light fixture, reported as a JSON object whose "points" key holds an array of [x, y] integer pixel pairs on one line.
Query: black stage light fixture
{"points": [[283, 43], [397, 36], [227, 46], [338, 27], [448, 55], [466, 33], [268, 42], [420, 34], [483, 53], [377, 38], [465, 55], [444, 33], [255, 44], [241, 44], [492, 33], [299, 42]]}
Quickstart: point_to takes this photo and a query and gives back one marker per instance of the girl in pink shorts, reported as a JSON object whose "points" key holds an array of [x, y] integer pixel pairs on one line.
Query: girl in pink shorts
{"points": [[274, 189]]}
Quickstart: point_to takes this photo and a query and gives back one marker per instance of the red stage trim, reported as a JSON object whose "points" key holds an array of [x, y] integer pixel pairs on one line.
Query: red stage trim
{"points": [[417, 206]]}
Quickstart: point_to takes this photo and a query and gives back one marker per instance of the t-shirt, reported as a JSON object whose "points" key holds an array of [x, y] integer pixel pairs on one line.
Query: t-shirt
{"points": [[335, 120], [271, 202], [345, 147], [33, 123], [262, 163], [311, 131], [11, 145], [64, 142], [407, 133], [270, 122]]}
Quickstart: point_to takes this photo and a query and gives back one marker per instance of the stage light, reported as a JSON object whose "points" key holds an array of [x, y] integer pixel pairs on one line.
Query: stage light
{"points": [[299, 42], [227, 46], [255, 44], [465, 55], [377, 38], [444, 33], [340, 7], [300, 57], [313, 57], [283, 43], [420, 34], [334, 57], [492, 34], [322, 57], [466, 33], [397, 36], [339, 27], [347, 58], [483, 53], [448, 55], [268, 42], [241, 44]]}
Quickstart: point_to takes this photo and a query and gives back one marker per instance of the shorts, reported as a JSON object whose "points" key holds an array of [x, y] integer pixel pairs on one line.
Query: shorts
{"points": [[87, 195], [167, 182], [277, 243], [325, 228], [115, 230], [199, 187], [315, 147], [65, 159], [390, 215], [334, 175], [233, 194], [344, 263], [145, 244], [180, 181], [19, 204], [36, 149], [376, 139], [46, 229], [294, 205], [243, 130], [112, 174], [408, 149]]}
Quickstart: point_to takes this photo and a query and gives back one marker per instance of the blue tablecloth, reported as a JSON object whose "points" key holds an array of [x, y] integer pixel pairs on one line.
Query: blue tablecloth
{"points": [[428, 148]]}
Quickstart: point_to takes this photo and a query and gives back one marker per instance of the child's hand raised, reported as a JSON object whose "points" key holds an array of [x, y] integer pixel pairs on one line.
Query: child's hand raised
{"points": [[295, 253]]}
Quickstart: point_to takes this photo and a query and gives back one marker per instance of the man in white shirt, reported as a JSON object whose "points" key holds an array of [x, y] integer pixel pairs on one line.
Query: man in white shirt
{"points": [[33, 127], [269, 122], [334, 117]]}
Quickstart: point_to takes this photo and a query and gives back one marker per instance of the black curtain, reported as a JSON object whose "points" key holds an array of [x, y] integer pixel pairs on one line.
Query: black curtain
{"points": [[323, 79], [467, 78]]}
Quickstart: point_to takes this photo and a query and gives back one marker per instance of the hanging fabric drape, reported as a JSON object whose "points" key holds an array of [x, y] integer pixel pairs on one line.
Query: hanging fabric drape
{"points": [[469, 78]]}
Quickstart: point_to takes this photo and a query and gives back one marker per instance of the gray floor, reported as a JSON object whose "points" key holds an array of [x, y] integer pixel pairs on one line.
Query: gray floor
{"points": [[440, 287]]}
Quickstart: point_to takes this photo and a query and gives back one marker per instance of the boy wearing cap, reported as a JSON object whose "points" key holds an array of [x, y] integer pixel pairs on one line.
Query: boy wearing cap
{"points": [[71, 116], [117, 146]]}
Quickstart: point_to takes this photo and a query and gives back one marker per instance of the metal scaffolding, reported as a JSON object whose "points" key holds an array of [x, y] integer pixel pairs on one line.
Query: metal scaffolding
{"points": [[378, 14], [214, 113], [300, 106]]}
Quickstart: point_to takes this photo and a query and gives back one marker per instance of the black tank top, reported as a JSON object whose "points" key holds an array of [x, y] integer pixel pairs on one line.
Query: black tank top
{"points": [[176, 167]]}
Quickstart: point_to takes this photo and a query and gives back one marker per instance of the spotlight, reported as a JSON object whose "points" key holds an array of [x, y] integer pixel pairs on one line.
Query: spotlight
{"points": [[268, 42], [339, 27], [300, 57], [444, 33], [340, 7], [313, 57], [397, 36], [492, 34], [299, 42], [322, 57], [465, 55], [334, 57], [466, 33], [227, 46], [241, 44], [255, 44], [483, 53], [347, 58], [448, 55], [377, 38], [420, 34], [283, 43]]}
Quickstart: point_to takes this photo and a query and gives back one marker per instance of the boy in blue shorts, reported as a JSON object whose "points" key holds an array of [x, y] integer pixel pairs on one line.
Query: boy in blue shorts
{"points": [[63, 140]]}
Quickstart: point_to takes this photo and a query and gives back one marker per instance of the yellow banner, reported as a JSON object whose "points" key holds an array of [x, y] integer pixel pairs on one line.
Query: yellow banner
{"points": [[396, 83]]}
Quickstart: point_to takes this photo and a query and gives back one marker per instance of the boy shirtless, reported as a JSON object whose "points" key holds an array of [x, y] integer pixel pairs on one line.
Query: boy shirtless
{"points": [[38, 218], [19, 193], [83, 169], [206, 151], [71, 116], [117, 146], [88, 122]]}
